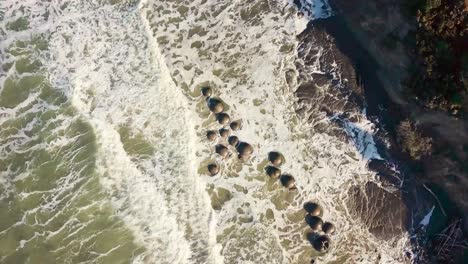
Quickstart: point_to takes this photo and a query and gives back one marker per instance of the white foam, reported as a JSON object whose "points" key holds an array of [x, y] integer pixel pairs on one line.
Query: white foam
{"points": [[107, 61], [427, 218], [315, 9], [323, 165], [115, 78]]}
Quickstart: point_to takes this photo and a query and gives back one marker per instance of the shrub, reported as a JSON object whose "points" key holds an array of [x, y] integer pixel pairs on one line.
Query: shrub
{"points": [[412, 141]]}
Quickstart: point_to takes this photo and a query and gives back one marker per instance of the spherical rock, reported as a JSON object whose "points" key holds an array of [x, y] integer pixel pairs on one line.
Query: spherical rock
{"points": [[314, 222], [288, 181], [328, 228], [273, 172], [310, 236], [233, 141], [244, 149], [321, 243], [313, 209], [206, 91], [224, 132], [215, 105], [222, 150], [275, 158], [223, 118], [213, 169], [211, 135], [235, 125]]}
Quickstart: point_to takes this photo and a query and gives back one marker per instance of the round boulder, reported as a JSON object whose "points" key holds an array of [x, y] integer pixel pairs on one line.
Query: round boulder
{"points": [[328, 228], [215, 105], [321, 243], [313, 209], [314, 222], [224, 132], [275, 158], [222, 150], [288, 181], [244, 149], [273, 172], [233, 141], [235, 125], [223, 118], [213, 169], [211, 135], [206, 91]]}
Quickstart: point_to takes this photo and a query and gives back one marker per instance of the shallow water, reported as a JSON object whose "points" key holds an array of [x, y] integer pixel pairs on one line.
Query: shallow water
{"points": [[103, 153]]}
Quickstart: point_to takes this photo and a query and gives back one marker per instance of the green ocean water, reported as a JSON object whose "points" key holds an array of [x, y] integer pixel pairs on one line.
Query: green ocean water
{"points": [[53, 209], [103, 152]]}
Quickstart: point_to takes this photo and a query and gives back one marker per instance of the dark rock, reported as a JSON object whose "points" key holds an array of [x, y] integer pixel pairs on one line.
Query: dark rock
{"points": [[222, 150], [213, 169], [385, 173], [233, 141], [328, 228], [321, 243], [383, 213], [311, 236], [314, 222], [211, 135], [235, 125], [223, 118], [244, 149], [215, 105], [288, 181], [206, 91], [224, 132], [313, 209], [276, 158], [273, 172]]}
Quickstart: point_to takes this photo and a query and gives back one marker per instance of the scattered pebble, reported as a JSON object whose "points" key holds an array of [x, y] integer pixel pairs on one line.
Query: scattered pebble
{"points": [[273, 172], [313, 209], [223, 118], [211, 135], [328, 228], [275, 158], [215, 105], [224, 132], [314, 222], [288, 181], [206, 91], [213, 169], [233, 141], [235, 125], [321, 243], [222, 150], [244, 149]]}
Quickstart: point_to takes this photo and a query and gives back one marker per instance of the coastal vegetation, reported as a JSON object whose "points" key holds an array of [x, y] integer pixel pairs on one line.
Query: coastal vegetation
{"points": [[439, 79], [412, 141]]}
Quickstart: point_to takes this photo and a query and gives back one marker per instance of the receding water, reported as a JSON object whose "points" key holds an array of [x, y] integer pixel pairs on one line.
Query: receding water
{"points": [[102, 125]]}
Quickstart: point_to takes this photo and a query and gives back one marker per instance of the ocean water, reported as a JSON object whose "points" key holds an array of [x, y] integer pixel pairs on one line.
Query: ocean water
{"points": [[102, 137]]}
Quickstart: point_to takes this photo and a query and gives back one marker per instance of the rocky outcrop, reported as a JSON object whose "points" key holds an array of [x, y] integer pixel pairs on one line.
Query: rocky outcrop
{"points": [[383, 212]]}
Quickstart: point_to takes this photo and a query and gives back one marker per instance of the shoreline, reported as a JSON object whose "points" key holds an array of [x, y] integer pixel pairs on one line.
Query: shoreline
{"points": [[419, 193]]}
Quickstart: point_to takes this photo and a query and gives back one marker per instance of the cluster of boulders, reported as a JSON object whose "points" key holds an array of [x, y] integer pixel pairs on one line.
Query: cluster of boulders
{"points": [[273, 171], [243, 149], [319, 232]]}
